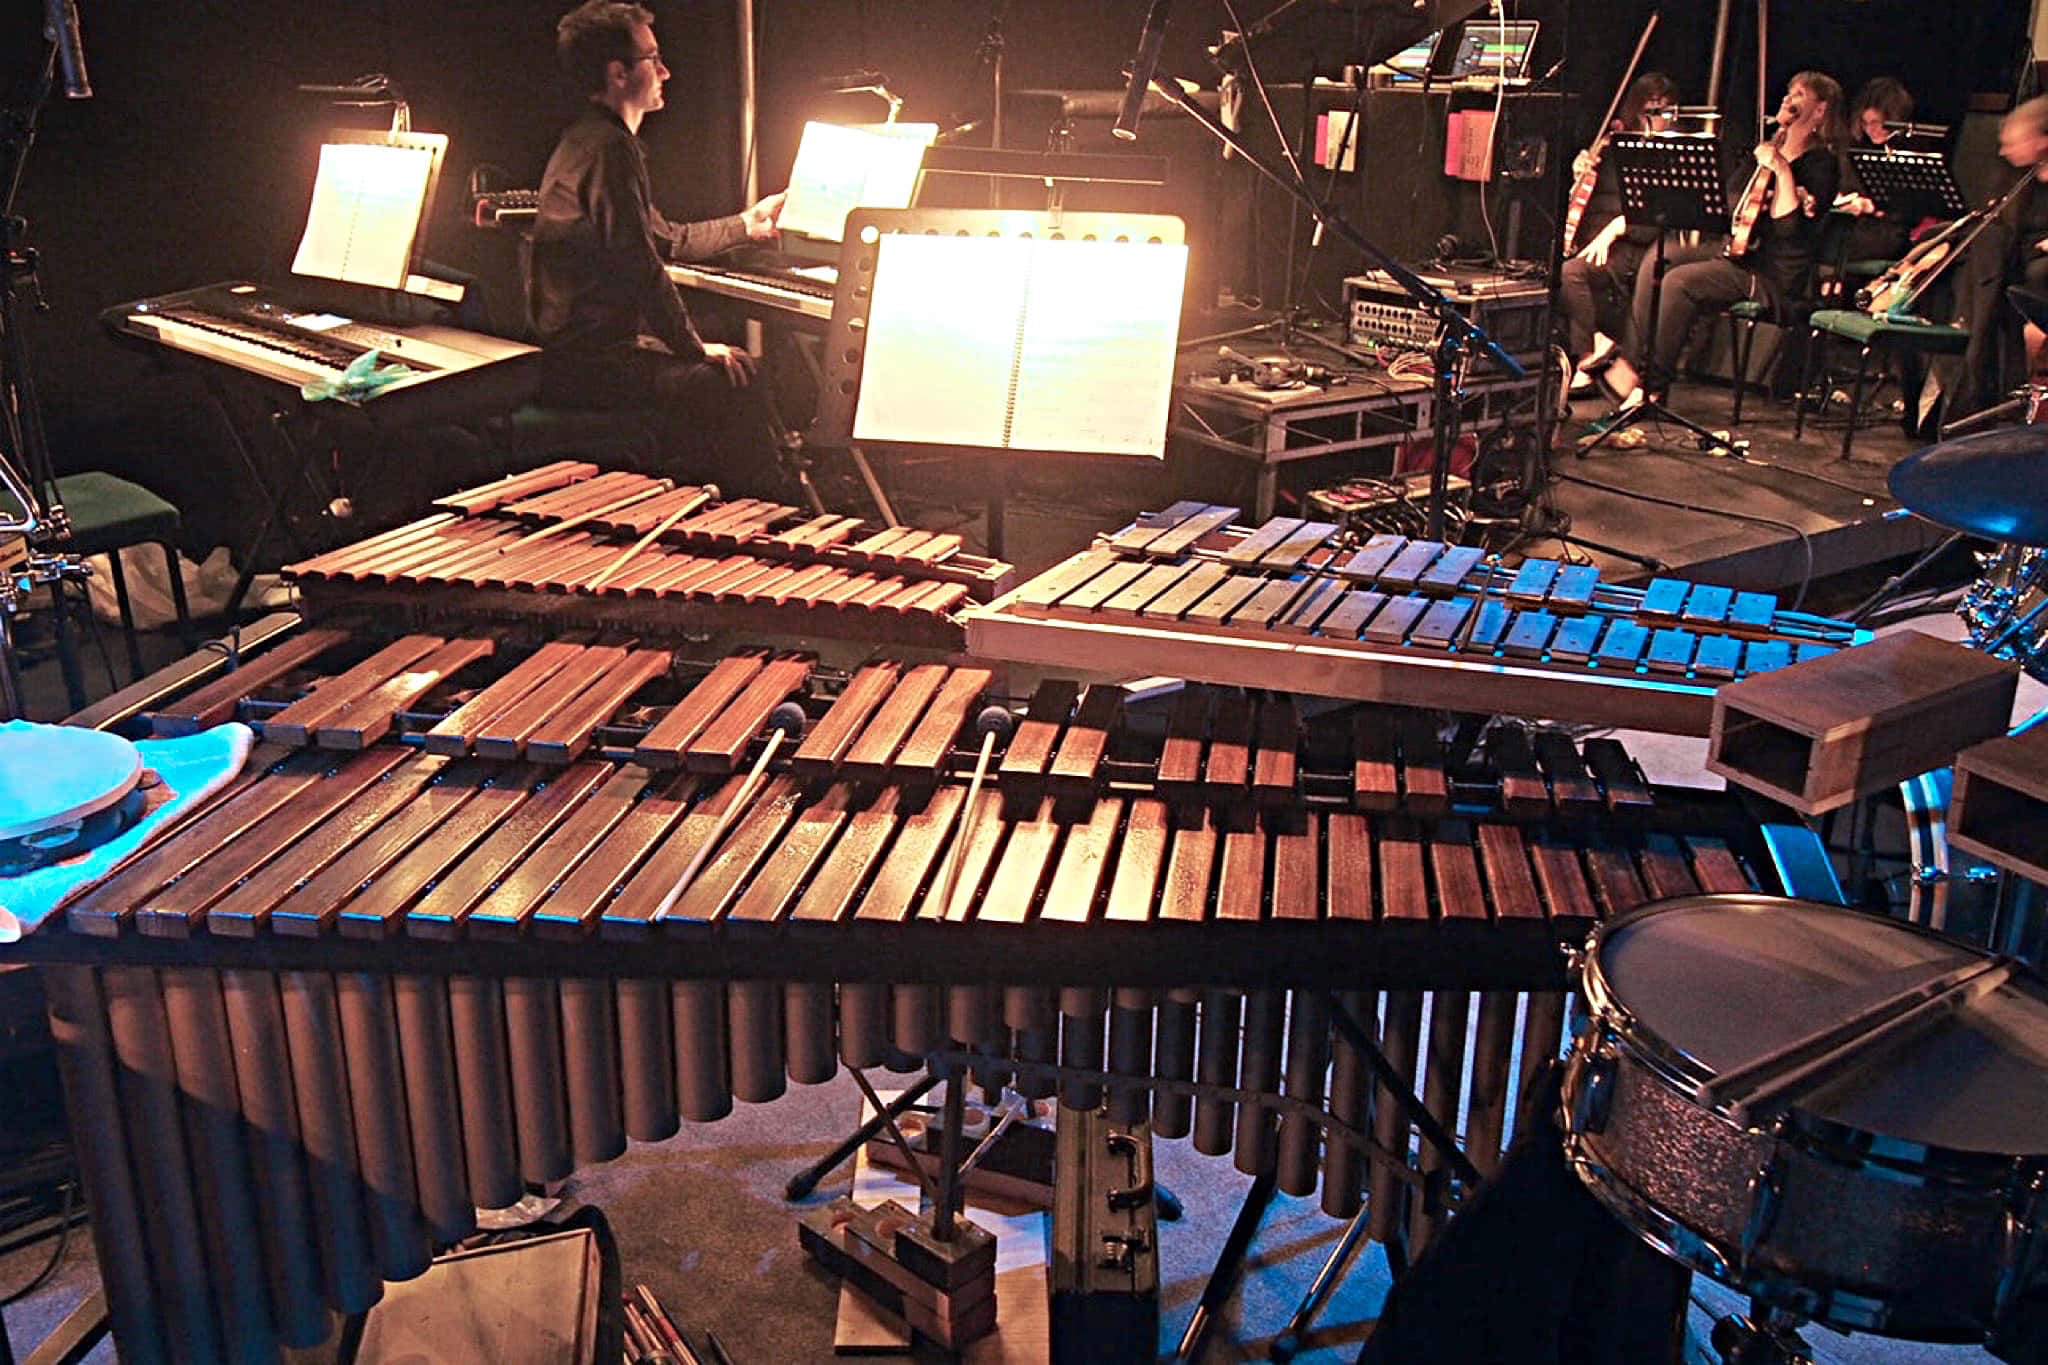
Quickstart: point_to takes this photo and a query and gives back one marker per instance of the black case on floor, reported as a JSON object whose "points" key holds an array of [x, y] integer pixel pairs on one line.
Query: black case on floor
{"points": [[1105, 1241]]}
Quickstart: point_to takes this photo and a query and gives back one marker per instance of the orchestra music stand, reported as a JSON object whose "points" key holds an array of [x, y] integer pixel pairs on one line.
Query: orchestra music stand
{"points": [[1673, 181], [1908, 185]]}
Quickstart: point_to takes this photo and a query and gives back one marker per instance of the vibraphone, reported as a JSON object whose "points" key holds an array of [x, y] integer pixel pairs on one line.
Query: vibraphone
{"points": [[571, 547], [1418, 622], [368, 989]]}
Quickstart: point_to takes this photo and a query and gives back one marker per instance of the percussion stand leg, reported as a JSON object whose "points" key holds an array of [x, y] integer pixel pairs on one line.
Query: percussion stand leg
{"points": [[803, 1182], [1230, 1263], [1762, 1337], [1899, 580], [1397, 1253]]}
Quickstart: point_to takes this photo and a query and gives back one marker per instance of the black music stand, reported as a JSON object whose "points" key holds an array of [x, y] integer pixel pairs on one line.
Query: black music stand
{"points": [[1674, 182], [1908, 185]]}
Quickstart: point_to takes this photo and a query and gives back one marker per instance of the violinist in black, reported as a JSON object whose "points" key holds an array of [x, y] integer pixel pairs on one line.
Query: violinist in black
{"points": [[2011, 252], [1876, 236], [1798, 175], [1595, 283]]}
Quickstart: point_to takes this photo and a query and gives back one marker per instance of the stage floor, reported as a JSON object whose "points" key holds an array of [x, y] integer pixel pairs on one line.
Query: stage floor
{"points": [[1742, 521]]}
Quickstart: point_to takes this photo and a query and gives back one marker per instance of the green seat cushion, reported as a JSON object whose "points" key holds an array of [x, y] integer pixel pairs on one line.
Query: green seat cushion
{"points": [[1749, 310], [595, 432], [1866, 330], [1865, 270], [108, 514]]}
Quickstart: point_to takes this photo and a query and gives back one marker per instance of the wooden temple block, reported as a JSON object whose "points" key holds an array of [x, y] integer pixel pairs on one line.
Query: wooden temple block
{"points": [[944, 1290], [1820, 734], [1998, 809]]}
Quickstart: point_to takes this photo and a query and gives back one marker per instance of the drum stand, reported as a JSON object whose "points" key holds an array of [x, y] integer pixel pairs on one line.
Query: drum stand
{"points": [[1765, 1336]]}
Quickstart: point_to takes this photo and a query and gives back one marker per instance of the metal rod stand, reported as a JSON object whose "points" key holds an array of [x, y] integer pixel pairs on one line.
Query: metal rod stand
{"points": [[803, 1182], [1229, 1264]]}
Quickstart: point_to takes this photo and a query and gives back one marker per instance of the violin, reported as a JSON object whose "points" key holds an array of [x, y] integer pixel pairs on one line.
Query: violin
{"points": [[1583, 187], [1896, 291], [1749, 210]]}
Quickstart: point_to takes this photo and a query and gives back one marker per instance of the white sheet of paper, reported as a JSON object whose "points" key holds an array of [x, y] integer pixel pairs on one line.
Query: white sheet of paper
{"points": [[840, 168], [1096, 370], [367, 201], [941, 337]]}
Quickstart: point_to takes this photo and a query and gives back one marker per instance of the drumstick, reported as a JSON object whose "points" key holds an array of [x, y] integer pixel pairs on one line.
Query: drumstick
{"points": [[660, 486], [786, 720], [993, 721], [1741, 1088], [661, 528]]}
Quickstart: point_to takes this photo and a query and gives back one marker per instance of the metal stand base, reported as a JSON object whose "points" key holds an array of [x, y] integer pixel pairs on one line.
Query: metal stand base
{"points": [[1759, 1339], [1229, 1265]]}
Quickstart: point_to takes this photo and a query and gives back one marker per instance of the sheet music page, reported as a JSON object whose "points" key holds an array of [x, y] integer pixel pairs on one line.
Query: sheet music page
{"points": [[840, 168], [366, 209], [942, 337], [1095, 371]]}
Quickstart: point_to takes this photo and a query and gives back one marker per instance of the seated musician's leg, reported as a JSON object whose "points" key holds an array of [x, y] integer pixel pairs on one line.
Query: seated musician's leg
{"points": [[1690, 290], [1534, 1270], [1625, 374], [1577, 282]]}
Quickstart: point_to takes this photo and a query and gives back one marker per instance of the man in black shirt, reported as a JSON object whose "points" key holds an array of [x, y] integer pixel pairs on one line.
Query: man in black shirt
{"points": [[1798, 175], [616, 331]]}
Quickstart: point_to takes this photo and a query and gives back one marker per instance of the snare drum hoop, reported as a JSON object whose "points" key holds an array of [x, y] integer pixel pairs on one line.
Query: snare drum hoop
{"points": [[1825, 1138]]}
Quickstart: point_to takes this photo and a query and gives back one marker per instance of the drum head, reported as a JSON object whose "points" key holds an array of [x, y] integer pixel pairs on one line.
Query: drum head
{"points": [[1710, 982], [51, 775]]}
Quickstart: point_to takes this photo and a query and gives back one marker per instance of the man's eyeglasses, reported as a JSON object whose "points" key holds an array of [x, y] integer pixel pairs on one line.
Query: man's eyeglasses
{"points": [[654, 56]]}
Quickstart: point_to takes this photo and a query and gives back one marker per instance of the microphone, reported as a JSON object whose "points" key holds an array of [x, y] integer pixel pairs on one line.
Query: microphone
{"points": [[60, 26], [853, 80], [1143, 63]]}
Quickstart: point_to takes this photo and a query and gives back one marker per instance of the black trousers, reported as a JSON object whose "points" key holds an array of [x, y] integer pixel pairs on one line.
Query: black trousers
{"points": [[1596, 297], [1534, 1271], [1698, 279], [1996, 359], [710, 432]]}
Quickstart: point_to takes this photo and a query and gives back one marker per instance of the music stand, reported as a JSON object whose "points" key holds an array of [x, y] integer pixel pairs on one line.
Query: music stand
{"points": [[1673, 181], [1908, 185]]}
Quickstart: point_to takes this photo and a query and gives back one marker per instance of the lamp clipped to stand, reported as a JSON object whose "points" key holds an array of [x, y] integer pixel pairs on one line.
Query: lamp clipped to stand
{"points": [[1673, 181]]}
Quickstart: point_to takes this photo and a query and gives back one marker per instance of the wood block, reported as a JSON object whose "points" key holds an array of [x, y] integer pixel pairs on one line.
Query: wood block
{"points": [[1998, 809], [951, 1320], [1822, 733]]}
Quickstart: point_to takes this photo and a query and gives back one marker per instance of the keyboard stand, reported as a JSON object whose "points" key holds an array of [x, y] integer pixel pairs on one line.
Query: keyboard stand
{"points": [[276, 516], [807, 346]]}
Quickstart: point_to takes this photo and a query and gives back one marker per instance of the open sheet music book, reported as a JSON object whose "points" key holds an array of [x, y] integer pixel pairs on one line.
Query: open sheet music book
{"points": [[369, 198], [1022, 343], [843, 167]]}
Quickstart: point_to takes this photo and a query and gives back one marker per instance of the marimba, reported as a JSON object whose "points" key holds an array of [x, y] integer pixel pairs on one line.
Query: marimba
{"points": [[370, 988], [570, 547], [1185, 593]]}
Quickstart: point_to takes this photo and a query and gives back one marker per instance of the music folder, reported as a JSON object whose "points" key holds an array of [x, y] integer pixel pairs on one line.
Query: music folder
{"points": [[1021, 343], [371, 197], [842, 167]]}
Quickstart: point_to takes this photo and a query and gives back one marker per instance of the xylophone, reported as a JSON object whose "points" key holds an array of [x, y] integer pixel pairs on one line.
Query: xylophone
{"points": [[367, 990], [1418, 622], [573, 547]]}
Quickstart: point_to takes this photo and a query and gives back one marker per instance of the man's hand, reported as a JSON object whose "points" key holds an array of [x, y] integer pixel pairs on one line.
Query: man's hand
{"points": [[738, 362], [1859, 204], [760, 218]]}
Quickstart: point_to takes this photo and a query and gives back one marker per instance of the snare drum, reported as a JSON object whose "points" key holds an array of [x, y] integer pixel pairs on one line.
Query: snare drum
{"points": [[1901, 1194]]}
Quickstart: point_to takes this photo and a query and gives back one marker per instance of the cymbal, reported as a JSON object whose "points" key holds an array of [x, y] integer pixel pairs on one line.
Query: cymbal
{"points": [[1988, 484]]}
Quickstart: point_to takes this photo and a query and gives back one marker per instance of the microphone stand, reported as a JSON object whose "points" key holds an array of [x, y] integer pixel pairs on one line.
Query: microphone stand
{"points": [[1460, 337], [26, 473]]}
